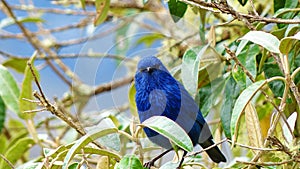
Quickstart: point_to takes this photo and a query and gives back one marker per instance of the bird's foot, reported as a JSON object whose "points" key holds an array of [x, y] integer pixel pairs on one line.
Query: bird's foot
{"points": [[149, 164]]}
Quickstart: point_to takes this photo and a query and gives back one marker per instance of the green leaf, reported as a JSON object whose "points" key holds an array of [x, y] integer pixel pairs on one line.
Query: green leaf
{"points": [[202, 28], [247, 57], [112, 140], [2, 113], [288, 43], [291, 29], [14, 123], [83, 141], [60, 153], [285, 5], [101, 152], [241, 46], [9, 21], [131, 98], [169, 165], [243, 2], [198, 67], [190, 66], [9, 90], [149, 39], [31, 165], [82, 4], [278, 4], [209, 94], [291, 122], [240, 104], [266, 40], [177, 9], [239, 76], [102, 8], [232, 91], [129, 161], [3, 143], [26, 91], [16, 151], [170, 130], [271, 70], [73, 166], [18, 64]]}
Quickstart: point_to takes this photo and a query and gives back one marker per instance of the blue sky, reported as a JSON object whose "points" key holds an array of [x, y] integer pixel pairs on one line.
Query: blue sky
{"points": [[91, 71]]}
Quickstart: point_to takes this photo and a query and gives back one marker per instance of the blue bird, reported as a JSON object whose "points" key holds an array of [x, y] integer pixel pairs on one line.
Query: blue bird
{"points": [[158, 93]]}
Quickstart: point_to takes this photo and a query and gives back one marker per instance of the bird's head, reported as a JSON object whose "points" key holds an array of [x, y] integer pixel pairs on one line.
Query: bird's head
{"points": [[150, 64]]}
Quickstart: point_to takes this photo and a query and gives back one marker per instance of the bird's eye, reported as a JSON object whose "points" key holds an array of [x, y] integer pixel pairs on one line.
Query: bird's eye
{"points": [[148, 70]]}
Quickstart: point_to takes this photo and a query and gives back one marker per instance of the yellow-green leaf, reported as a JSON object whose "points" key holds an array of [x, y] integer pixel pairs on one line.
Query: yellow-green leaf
{"points": [[83, 141], [253, 126], [18, 64], [26, 92], [287, 43], [131, 98], [102, 8], [15, 152], [240, 104]]}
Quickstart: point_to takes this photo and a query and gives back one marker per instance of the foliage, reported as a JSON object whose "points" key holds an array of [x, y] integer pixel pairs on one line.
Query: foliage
{"points": [[240, 60]]}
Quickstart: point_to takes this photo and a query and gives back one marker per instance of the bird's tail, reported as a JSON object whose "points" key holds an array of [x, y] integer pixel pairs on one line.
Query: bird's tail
{"points": [[214, 153]]}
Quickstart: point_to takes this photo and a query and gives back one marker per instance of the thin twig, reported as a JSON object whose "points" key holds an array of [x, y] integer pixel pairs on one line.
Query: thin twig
{"points": [[280, 110], [91, 38], [35, 42], [253, 8], [250, 18], [112, 85], [212, 146], [53, 10], [253, 148], [267, 163], [35, 111], [7, 161], [52, 108]]}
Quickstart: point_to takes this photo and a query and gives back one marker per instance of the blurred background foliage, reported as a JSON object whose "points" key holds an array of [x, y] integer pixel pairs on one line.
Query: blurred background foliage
{"points": [[66, 98]]}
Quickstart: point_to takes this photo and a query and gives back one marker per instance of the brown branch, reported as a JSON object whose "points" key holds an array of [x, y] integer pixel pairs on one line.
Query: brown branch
{"points": [[70, 55], [8, 55], [54, 110], [254, 148], [270, 100], [112, 85], [226, 9], [205, 149], [84, 22], [253, 8], [53, 10], [90, 38], [34, 41]]}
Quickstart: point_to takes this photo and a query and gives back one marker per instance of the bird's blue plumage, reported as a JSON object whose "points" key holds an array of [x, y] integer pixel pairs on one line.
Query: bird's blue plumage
{"points": [[158, 93]]}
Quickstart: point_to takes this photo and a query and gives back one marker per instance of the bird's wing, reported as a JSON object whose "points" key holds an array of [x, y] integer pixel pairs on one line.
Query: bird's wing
{"points": [[191, 111], [189, 106]]}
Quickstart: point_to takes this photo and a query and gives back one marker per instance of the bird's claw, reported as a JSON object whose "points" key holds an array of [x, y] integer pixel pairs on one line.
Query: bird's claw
{"points": [[149, 164]]}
